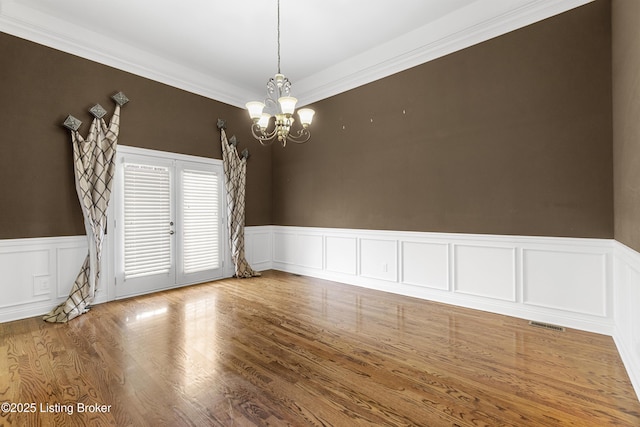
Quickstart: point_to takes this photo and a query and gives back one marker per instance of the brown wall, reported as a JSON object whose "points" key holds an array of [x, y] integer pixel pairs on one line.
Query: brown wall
{"points": [[626, 122], [39, 86], [511, 136]]}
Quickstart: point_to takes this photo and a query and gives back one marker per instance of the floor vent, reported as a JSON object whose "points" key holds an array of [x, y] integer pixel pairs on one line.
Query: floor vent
{"points": [[546, 326]]}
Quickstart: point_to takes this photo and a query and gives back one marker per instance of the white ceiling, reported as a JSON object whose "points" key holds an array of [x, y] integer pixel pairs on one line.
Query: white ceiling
{"points": [[227, 50]]}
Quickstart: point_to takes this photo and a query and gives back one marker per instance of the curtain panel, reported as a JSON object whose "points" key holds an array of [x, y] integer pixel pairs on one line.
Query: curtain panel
{"points": [[94, 167], [235, 171]]}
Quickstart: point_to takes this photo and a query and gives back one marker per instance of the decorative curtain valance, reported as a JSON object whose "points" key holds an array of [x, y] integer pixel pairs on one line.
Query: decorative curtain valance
{"points": [[235, 171], [94, 167]]}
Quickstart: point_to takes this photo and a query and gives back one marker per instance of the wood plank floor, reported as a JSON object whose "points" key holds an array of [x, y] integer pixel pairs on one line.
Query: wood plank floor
{"points": [[290, 350]]}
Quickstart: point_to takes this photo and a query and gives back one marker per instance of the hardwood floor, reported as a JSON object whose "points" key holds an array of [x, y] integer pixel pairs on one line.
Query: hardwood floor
{"points": [[289, 350]]}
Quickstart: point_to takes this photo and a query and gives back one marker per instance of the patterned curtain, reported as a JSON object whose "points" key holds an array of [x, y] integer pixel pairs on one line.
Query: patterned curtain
{"points": [[235, 170], [94, 165]]}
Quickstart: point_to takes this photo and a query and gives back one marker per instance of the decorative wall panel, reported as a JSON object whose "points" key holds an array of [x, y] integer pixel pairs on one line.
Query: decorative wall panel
{"points": [[258, 247], [425, 264], [341, 254], [569, 281], [25, 272], [485, 271], [34, 272], [379, 259]]}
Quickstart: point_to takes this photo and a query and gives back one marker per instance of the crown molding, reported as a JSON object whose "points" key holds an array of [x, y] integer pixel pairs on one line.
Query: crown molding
{"points": [[27, 23], [464, 28]]}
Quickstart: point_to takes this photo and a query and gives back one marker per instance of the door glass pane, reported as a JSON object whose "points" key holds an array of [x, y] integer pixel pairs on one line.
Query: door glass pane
{"points": [[200, 221], [147, 217]]}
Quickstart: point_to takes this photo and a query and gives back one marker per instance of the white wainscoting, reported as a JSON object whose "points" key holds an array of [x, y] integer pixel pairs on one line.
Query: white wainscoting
{"points": [[258, 247], [37, 274], [587, 284], [557, 280], [627, 310], [563, 281]]}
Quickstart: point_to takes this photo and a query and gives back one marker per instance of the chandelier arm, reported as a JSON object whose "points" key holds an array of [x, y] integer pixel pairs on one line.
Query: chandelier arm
{"points": [[302, 136], [262, 137]]}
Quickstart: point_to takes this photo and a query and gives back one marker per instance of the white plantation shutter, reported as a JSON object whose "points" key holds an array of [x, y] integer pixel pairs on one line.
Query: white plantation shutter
{"points": [[147, 218], [200, 220]]}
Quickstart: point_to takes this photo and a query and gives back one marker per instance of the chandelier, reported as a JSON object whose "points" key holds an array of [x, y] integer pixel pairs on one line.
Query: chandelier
{"points": [[279, 105]]}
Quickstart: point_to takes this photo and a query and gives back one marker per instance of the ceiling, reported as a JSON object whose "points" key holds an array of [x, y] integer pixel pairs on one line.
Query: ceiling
{"points": [[227, 50]]}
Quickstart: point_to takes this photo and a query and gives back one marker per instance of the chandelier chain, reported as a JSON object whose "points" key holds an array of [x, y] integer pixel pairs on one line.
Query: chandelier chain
{"points": [[278, 36]]}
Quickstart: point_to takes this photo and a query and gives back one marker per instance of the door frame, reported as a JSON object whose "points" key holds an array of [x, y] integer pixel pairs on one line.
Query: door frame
{"points": [[111, 248]]}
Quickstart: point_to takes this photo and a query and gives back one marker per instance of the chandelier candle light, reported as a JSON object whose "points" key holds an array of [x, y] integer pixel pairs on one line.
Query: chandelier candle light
{"points": [[280, 105]]}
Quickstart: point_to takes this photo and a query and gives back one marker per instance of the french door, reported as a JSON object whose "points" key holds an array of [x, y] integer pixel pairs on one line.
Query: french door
{"points": [[168, 223]]}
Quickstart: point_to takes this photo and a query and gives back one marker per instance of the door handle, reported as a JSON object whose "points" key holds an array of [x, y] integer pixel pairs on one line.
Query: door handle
{"points": [[171, 232]]}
